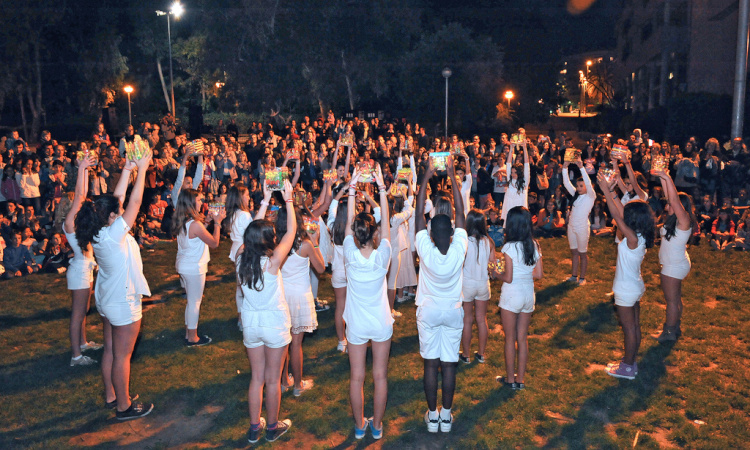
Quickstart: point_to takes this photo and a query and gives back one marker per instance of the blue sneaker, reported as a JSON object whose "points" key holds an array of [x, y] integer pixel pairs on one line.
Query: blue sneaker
{"points": [[376, 434], [359, 433]]}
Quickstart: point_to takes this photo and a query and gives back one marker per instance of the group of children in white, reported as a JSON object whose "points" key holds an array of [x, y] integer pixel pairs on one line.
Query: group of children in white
{"points": [[277, 266]]}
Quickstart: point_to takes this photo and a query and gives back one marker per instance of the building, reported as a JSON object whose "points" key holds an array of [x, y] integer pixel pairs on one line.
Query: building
{"points": [[668, 47]]}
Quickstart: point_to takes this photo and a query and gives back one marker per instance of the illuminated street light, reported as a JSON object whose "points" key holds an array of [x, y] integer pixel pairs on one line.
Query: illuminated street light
{"points": [[446, 74], [129, 90], [175, 10], [509, 97]]}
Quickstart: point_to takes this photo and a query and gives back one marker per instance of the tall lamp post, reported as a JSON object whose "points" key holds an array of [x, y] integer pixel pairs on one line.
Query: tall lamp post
{"points": [[509, 97], [446, 74], [175, 10], [585, 94], [129, 90]]}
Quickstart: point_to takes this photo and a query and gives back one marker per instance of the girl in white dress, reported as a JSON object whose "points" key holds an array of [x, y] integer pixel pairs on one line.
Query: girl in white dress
{"points": [[476, 284], [673, 256], [400, 210], [579, 226], [523, 265], [298, 293], [265, 317], [517, 192], [120, 284], [636, 222], [367, 313], [193, 242], [80, 273]]}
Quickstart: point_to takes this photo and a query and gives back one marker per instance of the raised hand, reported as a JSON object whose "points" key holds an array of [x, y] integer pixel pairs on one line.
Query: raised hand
{"points": [[287, 192]]}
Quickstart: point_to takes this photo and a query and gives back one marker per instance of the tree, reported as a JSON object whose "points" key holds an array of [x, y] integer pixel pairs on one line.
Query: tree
{"points": [[601, 83]]}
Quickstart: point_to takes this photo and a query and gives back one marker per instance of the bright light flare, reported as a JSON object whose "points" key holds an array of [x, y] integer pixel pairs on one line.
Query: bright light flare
{"points": [[176, 9], [508, 95], [128, 89]]}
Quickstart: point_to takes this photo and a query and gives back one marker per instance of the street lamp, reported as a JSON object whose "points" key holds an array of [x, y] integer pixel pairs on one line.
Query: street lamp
{"points": [[175, 10], [583, 81], [129, 90], [446, 74], [508, 96], [586, 81]]}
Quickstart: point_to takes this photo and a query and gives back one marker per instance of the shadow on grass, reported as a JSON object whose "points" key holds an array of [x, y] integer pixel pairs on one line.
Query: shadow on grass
{"points": [[595, 319], [8, 320], [545, 296], [615, 403]]}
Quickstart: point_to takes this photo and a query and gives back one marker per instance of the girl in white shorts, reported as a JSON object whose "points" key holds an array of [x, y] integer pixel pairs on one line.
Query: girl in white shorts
{"points": [[120, 283], [579, 226], [265, 317], [367, 313], [636, 221], [673, 255], [523, 265], [193, 241], [298, 293], [80, 274], [337, 225], [476, 284]]}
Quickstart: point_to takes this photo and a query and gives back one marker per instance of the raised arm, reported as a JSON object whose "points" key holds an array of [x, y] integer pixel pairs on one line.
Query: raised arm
{"points": [[122, 184], [586, 180], [683, 217], [458, 199], [261, 214], [180, 178], [566, 179], [633, 181], [509, 162], [419, 221], [351, 204], [82, 184], [616, 210], [296, 172], [136, 195], [526, 166], [348, 158], [324, 201], [285, 244], [198, 230], [198, 178], [385, 223]]}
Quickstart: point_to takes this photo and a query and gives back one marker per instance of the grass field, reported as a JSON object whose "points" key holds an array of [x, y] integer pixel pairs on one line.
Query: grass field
{"points": [[695, 393]]}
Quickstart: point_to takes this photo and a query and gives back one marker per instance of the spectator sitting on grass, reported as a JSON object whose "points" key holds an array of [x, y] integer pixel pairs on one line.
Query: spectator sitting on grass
{"points": [[742, 241], [17, 259], [56, 256], [722, 231]]}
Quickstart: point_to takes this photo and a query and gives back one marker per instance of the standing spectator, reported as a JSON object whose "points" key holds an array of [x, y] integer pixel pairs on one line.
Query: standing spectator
{"points": [[29, 182]]}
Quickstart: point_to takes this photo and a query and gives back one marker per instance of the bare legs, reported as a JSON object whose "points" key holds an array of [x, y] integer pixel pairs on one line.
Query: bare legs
{"points": [[580, 263], [631, 328], [338, 317], [265, 364], [80, 306], [122, 342], [294, 360], [357, 365], [516, 327], [109, 389], [672, 288], [475, 310]]}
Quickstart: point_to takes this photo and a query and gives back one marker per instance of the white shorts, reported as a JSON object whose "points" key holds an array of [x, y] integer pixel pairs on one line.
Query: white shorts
{"points": [[627, 299], [338, 277], [121, 313], [579, 238], [80, 275], [383, 335], [275, 332], [678, 271], [517, 299], [476, 290], [440, 332]]}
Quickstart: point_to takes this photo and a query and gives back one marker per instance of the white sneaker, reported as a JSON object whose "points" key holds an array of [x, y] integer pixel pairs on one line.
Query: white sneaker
{"points": [[91, 345], [82, 361], [342, 346], [432, 424], [445, 424], [403, 299]]}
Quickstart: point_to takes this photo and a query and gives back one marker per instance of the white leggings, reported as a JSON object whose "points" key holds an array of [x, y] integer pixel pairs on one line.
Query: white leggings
{"points": [[194, 285]]}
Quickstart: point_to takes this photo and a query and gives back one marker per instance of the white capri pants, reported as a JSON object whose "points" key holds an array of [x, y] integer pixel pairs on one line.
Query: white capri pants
{"points": [[194, 285]]}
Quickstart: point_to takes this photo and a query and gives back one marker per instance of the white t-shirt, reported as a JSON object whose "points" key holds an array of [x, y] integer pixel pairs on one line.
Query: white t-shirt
{"points": [[120, 266], [192, 253], [441, 276], [240, 221], [581, 208], [477, 258]]}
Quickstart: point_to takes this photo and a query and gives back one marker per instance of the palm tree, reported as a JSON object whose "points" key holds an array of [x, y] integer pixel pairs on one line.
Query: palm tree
{"points": [[601, 83]]}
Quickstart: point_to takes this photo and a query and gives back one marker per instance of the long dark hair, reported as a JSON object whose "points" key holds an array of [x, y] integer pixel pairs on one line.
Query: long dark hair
{"points": [[93, 216], [364, 227], [520, 182], [518, 229], [259, 240], [339, 225], [476, 227], [670, 224], [233, 203], [281, 227], [639, 217]]}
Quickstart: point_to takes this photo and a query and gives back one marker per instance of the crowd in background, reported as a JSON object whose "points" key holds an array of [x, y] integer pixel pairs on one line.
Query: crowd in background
{"points": [[38, 180]]}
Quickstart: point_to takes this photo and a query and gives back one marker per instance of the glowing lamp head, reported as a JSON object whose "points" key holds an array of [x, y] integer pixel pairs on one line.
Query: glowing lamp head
{"points": [[128, 89], [176, 9], [508, 95]]}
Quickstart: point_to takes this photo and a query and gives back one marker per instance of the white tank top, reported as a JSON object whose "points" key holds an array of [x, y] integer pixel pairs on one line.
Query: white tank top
{"points": [[628, 278], [475, 269], [79, 257], [270, 298], [240, 221], [674, 251], [296, 273], [192, 254]]}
